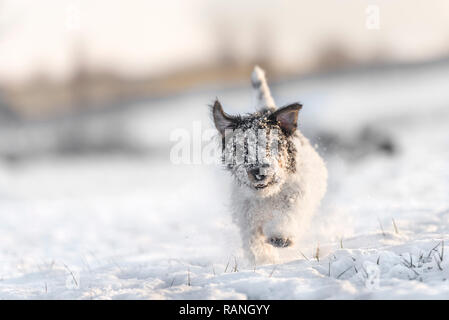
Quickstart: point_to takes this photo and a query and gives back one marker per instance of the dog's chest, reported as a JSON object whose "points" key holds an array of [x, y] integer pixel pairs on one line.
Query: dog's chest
{"points": [[280, 204]]}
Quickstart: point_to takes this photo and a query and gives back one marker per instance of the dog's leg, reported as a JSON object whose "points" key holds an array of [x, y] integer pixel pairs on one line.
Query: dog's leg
{"points": [[280, 230], [256, 250]]}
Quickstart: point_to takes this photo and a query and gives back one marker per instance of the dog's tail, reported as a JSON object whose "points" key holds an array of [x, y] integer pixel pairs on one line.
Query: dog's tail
{"points": [[264, 100]]}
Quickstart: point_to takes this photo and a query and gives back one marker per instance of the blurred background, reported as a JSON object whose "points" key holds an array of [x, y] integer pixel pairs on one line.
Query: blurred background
{"points": [[90, 92], [70, 70]]}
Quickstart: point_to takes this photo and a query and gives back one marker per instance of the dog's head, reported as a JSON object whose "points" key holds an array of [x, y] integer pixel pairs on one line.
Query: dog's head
{"points": [[258, 148]]}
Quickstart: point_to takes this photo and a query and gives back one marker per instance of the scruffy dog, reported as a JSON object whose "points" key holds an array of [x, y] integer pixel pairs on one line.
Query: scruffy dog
{"points": [[280, 178]]}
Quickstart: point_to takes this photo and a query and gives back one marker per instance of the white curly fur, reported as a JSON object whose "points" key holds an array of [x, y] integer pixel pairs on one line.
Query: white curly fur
{"points": [[283, 209], [284, 214]]}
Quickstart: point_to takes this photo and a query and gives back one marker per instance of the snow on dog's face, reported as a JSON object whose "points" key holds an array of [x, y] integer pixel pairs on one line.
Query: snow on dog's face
{"points": [[258, 148]]}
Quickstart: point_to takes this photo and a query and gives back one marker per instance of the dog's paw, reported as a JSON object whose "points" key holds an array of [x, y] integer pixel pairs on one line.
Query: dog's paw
{"points": [[280, 242]]}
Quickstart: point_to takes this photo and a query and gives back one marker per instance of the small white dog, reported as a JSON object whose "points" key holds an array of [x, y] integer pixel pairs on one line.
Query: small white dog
{"points": [[280, 178]]}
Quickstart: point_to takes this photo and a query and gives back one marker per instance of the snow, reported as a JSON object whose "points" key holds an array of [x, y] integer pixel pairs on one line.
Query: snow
{"points": [[122, 227]]}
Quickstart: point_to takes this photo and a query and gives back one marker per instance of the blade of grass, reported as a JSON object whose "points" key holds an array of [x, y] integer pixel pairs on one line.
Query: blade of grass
{"points": [[381, 227], [395, 226]]}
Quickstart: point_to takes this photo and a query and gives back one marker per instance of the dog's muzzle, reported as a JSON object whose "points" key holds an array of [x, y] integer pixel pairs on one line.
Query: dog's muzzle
{"points": [[259, 177]]}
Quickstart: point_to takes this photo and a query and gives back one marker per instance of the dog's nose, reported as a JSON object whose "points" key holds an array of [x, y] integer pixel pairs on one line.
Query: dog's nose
{"points": [[259, 174]]}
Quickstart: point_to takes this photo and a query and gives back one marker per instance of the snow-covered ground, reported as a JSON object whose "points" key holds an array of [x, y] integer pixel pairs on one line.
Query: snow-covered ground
{"points": [[140, 227]]}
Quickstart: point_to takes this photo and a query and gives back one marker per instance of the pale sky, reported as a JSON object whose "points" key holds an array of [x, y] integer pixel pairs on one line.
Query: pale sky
{"points": [[138, 37]]}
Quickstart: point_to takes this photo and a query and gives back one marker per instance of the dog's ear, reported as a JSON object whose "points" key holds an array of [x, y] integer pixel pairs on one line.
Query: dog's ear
{"points": [[222, 120], [287, 117]]}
